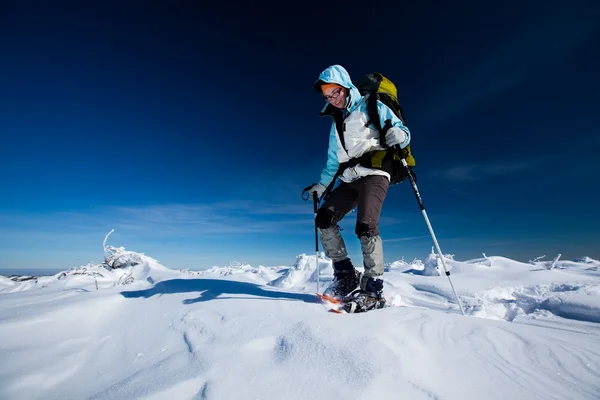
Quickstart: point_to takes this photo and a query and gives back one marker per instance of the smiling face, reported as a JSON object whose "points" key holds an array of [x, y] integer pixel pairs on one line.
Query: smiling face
{"points": [[335, 95]]}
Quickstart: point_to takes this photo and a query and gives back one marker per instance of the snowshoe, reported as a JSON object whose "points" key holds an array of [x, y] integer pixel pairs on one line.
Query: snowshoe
{"points": [[363, 301]]}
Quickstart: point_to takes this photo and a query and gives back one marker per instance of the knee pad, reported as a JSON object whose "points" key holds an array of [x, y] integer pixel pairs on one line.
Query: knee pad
{"points": [[365, 229], [343, 267], [324, 218]]}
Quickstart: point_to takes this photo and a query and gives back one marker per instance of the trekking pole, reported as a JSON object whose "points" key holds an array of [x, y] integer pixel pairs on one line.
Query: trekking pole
{"points": [[316, 208], [437, 246]]}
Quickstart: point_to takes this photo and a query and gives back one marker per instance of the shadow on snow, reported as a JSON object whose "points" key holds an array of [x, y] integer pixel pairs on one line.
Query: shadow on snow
{"points": [[211, 289]]}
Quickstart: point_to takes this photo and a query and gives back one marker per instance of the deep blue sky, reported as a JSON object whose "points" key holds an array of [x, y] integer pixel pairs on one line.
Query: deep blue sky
{"points": [[192, 129]]}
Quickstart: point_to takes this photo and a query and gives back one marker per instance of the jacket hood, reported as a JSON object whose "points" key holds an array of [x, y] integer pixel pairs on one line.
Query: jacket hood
{"points": [[338, 74]]}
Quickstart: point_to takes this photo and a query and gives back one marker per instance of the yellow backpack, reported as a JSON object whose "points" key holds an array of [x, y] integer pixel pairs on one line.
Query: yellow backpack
{"points": [[378, 87]]}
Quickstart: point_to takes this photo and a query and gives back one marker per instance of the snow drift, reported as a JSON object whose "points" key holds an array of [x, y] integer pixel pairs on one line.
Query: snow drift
{"points": [[144, 331]]}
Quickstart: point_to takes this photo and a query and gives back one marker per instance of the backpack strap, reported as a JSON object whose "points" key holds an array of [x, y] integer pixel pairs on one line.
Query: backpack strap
{"points": [[373, 113], [343, 166], [341, 127]]}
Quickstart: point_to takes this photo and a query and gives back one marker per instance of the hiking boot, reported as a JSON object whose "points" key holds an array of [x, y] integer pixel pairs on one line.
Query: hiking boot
{"points": [[372, 285], [345, 279], [343, 284]]}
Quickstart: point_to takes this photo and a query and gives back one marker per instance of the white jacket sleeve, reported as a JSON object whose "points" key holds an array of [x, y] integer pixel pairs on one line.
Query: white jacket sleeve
{"points": [[386, 114]]}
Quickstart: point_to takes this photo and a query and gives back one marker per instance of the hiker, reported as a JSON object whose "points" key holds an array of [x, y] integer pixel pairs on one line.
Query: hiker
{"points": [[354, 143]]}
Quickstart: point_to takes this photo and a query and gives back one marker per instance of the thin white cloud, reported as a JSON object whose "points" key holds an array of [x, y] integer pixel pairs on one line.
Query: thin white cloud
{"points": [[180, 220], [405, 239], [475, 172]]}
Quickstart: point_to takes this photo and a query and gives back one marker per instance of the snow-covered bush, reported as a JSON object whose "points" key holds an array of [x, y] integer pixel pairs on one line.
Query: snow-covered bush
{"points": [[545, 264], [118, 257]]}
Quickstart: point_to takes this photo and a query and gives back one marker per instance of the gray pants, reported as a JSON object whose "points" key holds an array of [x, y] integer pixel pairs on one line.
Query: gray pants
{"points": [[366, 195]]}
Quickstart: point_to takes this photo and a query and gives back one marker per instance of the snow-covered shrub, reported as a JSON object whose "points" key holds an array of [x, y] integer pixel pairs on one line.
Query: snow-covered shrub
{"points": [[118, 257]]}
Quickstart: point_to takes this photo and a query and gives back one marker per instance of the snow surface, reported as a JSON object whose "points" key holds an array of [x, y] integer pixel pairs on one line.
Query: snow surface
{"points": [[242, 332]]}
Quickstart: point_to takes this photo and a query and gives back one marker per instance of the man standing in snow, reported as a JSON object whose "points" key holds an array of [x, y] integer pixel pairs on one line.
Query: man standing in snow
{"points": [[353, 146]]}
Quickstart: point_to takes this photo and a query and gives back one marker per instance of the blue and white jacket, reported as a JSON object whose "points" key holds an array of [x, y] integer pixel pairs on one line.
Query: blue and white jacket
{"points": [[359, 136]]}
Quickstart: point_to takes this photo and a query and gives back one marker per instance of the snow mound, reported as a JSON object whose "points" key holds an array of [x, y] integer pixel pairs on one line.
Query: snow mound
{"points": [[303, 271], [131, 268], [258, 274], [587, 260], [403, 266], [431, 267], [6, 283], [572, 301]]}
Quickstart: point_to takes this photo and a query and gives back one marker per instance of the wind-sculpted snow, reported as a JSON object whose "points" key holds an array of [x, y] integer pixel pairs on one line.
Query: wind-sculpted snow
{"points": [[259, 274], [579, 302], [135, 267], [431, 267], [303, 271], [239, 331]]}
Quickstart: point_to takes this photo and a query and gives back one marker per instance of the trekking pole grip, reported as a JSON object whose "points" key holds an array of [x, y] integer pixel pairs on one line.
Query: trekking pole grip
{"points": [[411, 178]]}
